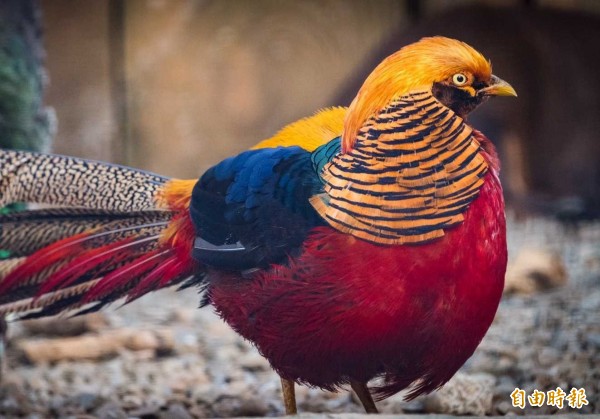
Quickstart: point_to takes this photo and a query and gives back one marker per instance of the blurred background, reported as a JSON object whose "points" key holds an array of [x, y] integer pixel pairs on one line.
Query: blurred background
{"points": [[175, 86]]}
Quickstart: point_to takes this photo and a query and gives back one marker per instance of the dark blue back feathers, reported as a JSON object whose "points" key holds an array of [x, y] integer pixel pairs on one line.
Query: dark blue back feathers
{"points": [[253, 209]]}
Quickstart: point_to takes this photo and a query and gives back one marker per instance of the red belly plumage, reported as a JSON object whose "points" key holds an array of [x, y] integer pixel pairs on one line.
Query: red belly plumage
{"points": [[348, 309]]}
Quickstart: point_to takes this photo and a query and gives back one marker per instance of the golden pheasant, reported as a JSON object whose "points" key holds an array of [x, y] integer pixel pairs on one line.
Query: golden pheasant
{"points": [[356, 244]]}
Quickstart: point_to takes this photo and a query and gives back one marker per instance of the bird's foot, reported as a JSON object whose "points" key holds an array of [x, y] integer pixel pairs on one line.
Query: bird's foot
{"points": [[289, 396], [362, 391]]}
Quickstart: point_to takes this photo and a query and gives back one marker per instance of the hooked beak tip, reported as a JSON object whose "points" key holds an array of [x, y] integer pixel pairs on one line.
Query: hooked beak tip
{"points": [[499, 87]]}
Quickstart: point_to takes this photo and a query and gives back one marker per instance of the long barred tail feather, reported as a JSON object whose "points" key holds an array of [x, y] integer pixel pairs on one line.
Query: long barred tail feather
{"points": [[84, 243], [45, 306], [25, 232], [99, 266], [94, 260], [111, 233], [72, 182]]}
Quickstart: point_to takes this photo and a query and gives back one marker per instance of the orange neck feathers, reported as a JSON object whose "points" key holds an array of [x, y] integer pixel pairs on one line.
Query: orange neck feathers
{"points": [[414, 67]]}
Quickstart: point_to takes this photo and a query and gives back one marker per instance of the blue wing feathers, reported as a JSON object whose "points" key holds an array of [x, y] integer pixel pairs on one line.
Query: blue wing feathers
{"points": [[259, 199]]}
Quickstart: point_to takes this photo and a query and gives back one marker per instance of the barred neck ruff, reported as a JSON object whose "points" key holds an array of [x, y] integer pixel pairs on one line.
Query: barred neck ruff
{"points": [[412, 173]]}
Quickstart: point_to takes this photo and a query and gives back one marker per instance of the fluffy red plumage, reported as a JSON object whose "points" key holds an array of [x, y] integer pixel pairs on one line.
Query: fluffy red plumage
{"points": [[349, 309]]}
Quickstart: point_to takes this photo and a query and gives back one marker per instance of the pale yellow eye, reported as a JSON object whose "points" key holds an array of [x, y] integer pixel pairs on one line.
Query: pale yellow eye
{"points": [[459, 79]]}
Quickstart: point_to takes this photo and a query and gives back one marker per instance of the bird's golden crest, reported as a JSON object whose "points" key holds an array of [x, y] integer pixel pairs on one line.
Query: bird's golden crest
{"points": [[413, 68]]}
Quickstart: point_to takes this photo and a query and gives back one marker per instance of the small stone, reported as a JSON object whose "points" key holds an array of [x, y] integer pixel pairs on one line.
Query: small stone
{"points": [[63, 327], [253, 362], [412, 407], [504, 407], [253, 405], [146, 412], [177, 411], [186, 343], [132, 401], [226, 407], [10, 406], [594, 339], [548, 357], [205, 394], [87, 401], [534, 270], [57, 403], [13, 399], [144, 355], [183, 315], [110, 410], [463, 395], [200, 411]]}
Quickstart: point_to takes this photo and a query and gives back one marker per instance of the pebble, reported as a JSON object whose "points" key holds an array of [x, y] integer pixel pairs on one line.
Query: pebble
{"points": [[253, 362], [65, 326], [87, 401], [504, 407], [177, 411], [463, 395], [110, 410], [548, 356], [534, 270], [10, 406], [145, 412]]}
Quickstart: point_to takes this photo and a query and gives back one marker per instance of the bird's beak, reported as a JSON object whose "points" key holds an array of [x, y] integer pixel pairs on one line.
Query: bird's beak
{"points": [[498, 87]]}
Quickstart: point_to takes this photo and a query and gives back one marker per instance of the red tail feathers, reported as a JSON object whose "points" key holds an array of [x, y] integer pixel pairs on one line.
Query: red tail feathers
{"points": [[121, 259]]}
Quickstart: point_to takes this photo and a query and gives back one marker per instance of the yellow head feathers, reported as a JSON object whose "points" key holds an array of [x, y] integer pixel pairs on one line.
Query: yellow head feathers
{"points": [[415, 67]]}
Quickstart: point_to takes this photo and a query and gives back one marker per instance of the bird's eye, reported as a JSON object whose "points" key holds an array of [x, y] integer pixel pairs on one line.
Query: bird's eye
{"points": [[459, 79]]}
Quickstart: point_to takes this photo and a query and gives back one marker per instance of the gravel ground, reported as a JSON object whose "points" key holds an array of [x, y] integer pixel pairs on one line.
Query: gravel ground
{"points": [[541, 341]]}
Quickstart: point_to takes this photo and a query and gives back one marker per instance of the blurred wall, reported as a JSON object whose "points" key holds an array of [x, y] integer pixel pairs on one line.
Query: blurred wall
{"points": [[203, 79], [174, 86], [76, 36], [549, 137]]}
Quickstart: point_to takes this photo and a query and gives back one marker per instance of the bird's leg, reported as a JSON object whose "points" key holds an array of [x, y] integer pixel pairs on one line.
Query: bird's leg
{"points": [[362, 391], [289, 396]]}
